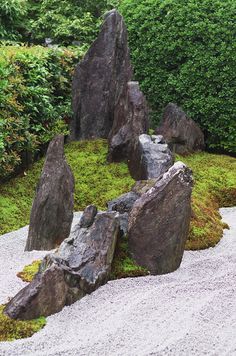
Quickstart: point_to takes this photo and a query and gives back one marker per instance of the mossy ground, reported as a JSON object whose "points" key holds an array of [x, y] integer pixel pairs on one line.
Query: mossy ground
{"points": [[29, 271], [215, 186], [14, 329]]}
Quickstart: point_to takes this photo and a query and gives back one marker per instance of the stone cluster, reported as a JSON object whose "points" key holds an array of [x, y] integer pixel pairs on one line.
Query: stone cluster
{"points": [[155, 215]]}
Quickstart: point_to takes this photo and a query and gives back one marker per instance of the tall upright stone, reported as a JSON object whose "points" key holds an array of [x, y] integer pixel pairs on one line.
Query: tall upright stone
{"points": [[100, 79], [130, 121], [159, 221], [52, 210]]}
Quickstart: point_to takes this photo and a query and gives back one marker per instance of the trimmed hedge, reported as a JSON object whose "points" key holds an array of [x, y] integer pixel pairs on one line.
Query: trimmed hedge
{"points": [[185, 52], [35, 100]]}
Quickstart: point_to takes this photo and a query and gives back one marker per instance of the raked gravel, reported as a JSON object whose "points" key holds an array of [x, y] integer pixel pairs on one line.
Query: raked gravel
{"points": [[186, 313]]}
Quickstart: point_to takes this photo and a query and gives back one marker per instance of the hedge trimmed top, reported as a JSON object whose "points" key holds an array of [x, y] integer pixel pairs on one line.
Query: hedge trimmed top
{"points": [[185, 52]]}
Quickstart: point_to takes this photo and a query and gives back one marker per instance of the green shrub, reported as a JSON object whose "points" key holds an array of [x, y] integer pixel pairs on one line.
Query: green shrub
{"points": [[184, 52], [12, 13], [35, 99]]}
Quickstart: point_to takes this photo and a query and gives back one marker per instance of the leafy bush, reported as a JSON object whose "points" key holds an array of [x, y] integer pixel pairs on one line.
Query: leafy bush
{"points": [[35, 99], [12, 14], [184, 52]]}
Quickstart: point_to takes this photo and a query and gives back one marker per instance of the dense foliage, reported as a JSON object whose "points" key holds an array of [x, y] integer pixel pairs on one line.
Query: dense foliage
{"points": [[35, 99], [64, 21], [185, 52], [12, 14]]}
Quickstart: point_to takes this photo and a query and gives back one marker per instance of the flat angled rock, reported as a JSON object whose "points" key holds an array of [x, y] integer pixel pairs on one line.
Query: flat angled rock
{"points": [[159, 221], [52, 210], [81, 265]]}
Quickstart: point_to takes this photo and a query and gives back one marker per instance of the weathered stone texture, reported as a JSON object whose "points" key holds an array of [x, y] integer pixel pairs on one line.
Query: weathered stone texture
{"points": [[52, 210], [159, 221]]}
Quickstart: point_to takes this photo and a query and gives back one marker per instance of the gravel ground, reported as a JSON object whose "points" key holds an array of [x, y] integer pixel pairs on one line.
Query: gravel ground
{"points": [[189, 312]]}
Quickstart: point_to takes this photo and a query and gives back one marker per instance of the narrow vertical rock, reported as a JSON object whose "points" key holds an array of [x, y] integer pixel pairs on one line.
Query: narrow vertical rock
{"points": [[52, 210]]}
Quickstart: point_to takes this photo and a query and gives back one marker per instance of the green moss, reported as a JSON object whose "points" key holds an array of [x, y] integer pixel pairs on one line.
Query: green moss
{"points": [[15, 329], [96, 182], [123, 265], [215, 186], [29, 271]]}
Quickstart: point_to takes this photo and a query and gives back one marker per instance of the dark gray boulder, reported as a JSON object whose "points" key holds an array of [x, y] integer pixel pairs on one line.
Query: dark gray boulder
{"points": [[82, 264], [124, 203], [52, 210], [88, 216], [182, 134], [44, 296], [100, 79], [150, 158], [159, 221], [123, 206], [130, 121]]}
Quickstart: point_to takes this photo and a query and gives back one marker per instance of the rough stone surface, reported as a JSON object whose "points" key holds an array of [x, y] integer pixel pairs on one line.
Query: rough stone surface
{"points": [[124, 203], [159, 221], [130, 121], [52, 210], [100, 79], [82, 264], [182, 134], [123, 206], [45, 295], [88, 216], [149, 158]]}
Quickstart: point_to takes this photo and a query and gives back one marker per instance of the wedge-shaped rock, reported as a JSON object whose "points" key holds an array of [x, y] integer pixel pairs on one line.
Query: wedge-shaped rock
{"points": [[82, 264], [182, 134], [100, 79], [52, 210], [130, 121], [159, 221], [150, 157]]}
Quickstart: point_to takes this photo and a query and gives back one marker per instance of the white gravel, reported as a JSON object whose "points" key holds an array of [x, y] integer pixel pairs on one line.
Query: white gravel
{"points": [[189, 312]]}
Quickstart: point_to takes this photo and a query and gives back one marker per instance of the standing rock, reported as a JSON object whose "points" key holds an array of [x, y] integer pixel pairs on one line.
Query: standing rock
{"points": [[150, 158], [81, 265], [182, 134], [159, 222], [100, 79], [130, 121], [52, 210]]}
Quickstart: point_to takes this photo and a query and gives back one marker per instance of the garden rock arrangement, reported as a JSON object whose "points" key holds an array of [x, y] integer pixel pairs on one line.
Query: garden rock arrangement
{"points": [[182, 134], [82, 264], [130, 121], [100, 80], [159, 221], [155, 214], [150, 157], [52, 210]]}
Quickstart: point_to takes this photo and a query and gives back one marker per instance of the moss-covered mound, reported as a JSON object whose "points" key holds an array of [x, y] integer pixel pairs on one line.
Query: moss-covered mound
{"points": [[14, 329], [215, 186], [29, 271]]}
